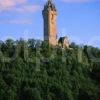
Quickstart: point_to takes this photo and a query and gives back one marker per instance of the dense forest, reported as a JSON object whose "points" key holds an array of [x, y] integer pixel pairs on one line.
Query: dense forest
{"points": [[33, 70]]}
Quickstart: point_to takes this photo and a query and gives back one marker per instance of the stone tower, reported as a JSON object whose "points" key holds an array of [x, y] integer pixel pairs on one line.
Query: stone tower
{"points": [[49, 16]]}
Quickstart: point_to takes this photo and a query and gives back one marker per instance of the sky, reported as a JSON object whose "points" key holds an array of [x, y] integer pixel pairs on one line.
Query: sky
{"points": [[79, 20]]}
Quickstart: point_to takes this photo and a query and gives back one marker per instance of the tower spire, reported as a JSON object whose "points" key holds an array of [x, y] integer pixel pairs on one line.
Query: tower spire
{"points": [[49, 0]]}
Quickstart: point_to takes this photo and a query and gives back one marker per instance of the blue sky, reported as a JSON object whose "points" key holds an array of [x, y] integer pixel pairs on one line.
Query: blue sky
{"points": [[79, 20]]}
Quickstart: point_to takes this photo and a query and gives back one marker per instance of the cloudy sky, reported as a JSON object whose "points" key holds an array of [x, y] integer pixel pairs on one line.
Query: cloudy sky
{"points": [[77, 19]]}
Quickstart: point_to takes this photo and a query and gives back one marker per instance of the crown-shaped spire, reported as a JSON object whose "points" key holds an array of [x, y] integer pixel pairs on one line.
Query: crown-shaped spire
{"points": [[49, 0], [50, 5]]}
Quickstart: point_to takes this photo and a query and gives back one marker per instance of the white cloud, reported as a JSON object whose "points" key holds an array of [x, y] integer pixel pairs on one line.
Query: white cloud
{"points": [[27, 8], [17, 6], [7, 4]]}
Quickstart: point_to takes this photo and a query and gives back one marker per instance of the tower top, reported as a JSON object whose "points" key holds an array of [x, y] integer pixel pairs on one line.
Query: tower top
{"points": [[49, 0], [49, 5]]}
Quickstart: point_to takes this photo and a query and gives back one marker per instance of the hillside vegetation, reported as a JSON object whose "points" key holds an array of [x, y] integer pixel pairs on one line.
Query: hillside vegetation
{"points": [[33, 70]]}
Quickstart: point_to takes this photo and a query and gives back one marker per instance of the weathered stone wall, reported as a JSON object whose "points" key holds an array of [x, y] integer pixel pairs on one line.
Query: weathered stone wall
{"points": [[50, 33]]}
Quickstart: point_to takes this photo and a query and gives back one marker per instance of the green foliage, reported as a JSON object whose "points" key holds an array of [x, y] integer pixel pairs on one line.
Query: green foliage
{"points": [[34, 70]]}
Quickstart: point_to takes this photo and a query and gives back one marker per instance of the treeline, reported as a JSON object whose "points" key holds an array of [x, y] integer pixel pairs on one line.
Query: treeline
{"points": [[33, 70]]}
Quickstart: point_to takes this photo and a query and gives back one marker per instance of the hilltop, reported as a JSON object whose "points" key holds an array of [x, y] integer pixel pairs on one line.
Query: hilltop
{"points": [[32, 70]]}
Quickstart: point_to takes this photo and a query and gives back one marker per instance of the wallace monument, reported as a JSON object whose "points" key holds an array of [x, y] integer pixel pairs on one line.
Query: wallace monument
{"points": [[50, 30]]}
